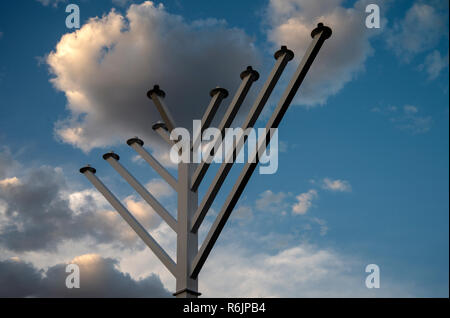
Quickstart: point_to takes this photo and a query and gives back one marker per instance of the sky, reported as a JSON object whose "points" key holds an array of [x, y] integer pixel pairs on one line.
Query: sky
{"points": [[363, 150]]}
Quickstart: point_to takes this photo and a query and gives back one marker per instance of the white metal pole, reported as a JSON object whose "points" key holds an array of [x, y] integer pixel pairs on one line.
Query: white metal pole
{"points": [[138, 145], [187, 241], [217, 95], [89, 172], [157, 95], [113, 160], [283, 56], [163, 131], [249, 76]]}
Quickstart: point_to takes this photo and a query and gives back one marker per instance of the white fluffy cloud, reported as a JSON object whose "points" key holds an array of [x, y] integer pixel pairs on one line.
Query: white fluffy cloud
{"points": [[270, 201], [280, 202], [159, 188], [304, 201], [336, 185], [301, 270], [342, 56], [106, 67]]}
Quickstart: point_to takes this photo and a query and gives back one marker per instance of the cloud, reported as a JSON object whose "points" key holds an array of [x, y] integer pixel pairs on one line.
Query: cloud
{"points": [[304, 202], [53, 3], [406, 118], [301, 270], [106, 67], [336, 185], [434, 64], [240, 263], [242, 213], [34, 209], [323, 228], [283, 146], [39, 210], [273, 202], [7, 163], [159, 188], [297, 269], [280, 202], [99, 277], [137, 159], [233, 270], [248, 263], [410, 109], [342, 56], [419, 31], [121, 3], [9, 182]]}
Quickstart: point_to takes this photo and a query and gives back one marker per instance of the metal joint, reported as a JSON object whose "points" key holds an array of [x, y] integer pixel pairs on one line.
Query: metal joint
{"points": [[157, 91], [111, 154], [88, 168], [160, 125], [135, 140], [250, 71], [321, 28], [284, 50], [219, 90]]}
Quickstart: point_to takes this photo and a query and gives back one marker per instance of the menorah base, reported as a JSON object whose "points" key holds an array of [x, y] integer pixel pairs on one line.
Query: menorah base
{"points": [[186, 293]]}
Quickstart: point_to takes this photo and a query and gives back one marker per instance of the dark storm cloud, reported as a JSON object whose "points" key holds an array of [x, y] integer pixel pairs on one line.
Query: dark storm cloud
{"points": [[37, 216], [99, 277], [18, 279], [38, 212]]}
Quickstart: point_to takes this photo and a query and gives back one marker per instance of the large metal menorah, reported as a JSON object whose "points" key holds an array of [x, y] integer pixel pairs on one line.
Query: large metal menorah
{"points": [[190, 259]]}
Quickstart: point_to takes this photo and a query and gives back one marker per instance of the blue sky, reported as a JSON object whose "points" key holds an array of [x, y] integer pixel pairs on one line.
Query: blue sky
{"points": [[365, 143]]}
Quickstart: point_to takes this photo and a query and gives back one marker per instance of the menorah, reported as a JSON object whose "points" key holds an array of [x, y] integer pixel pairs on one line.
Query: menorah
{"points": [[190, 215]]}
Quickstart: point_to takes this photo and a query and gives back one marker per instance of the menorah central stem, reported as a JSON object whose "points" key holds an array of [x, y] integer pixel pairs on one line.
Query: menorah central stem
{"points": [[187, 242]]}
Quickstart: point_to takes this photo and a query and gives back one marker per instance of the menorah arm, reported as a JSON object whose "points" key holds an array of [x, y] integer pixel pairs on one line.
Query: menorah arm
{"points": [[157, 95], [130, 219], [319, 35], [113, 160], [283, 56], [162, 130], [137, 145], [217, 95], [248, 77]]}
